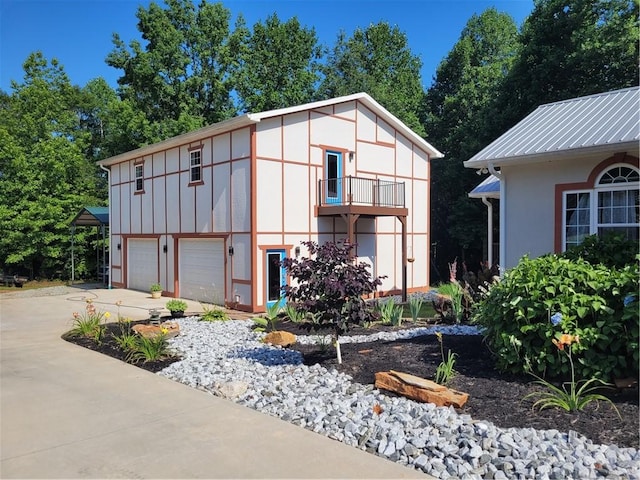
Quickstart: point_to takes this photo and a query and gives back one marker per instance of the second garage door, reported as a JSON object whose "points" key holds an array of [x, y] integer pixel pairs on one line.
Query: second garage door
{"points": [[201, 270]]}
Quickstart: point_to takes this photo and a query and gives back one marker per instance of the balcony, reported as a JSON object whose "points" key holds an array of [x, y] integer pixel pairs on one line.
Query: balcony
{"points": [[360, 196]]}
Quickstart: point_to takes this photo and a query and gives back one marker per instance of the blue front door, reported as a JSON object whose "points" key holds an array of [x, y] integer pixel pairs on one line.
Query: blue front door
{"points": [[333, 177], [276, 276]]}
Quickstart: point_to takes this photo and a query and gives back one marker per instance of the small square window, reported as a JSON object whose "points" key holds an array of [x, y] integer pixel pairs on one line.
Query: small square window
{"points": [[139, 178], [196, 166]]}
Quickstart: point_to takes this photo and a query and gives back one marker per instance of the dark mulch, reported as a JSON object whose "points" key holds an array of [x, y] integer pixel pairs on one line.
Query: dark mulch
{"points": [[108, 346], [493, 396]]}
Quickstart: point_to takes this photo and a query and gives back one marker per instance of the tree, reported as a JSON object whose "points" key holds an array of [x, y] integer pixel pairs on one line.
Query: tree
{"points": [[181, 78], [278, 65], [378, 61], [44, 176], [465, 83], [570, 48], [330, 287]]}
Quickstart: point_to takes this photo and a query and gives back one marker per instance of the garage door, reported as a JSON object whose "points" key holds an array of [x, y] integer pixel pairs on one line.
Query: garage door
{"points": [[201, 270], [142, 263]]}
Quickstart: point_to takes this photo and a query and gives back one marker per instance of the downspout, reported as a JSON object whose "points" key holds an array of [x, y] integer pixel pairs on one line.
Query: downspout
{"points": [[489, 205], [108, 170], [503, 230]]}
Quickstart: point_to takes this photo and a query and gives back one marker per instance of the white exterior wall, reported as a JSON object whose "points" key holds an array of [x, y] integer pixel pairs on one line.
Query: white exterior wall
{"points": [[288, 162], [529, 190]]}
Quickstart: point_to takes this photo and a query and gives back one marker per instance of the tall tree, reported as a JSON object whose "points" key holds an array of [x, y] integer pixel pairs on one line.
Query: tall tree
{"points": [[378, 61], [278, 65], [465, 82], [570, 48], [44, 176], [180, 79]]}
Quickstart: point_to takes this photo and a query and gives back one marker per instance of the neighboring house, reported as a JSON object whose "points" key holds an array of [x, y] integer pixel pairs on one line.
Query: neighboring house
{"points": [[568, 170], [209, 214]]}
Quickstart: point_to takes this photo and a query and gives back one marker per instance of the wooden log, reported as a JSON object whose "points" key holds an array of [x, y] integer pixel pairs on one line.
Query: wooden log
{"points": [[420, 389]]}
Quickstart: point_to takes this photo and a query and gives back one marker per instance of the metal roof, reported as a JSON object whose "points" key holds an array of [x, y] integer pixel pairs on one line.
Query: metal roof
{"points": [[489, 188], [91, 217], [603, 121], [253, 118]]}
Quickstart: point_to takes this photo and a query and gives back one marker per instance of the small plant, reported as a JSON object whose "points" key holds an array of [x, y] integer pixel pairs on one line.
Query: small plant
{"points": [[176, 306], [155, 287], [455, 292], [576, 397], [415, 305], [270, 318], [126, 340], [390, 313], [89, 324], [445, 371], [293, 314], [150, 349], [213, 314]]}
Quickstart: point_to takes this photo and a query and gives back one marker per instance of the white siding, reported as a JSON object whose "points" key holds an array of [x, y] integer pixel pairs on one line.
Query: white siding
{"points": [[241, 200]]}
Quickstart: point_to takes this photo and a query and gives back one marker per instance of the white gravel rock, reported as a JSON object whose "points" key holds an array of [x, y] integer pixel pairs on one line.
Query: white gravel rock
{"points": [[432, 439]]}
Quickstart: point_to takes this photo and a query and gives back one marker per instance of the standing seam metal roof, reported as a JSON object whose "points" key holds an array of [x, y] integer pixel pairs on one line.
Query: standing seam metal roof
{"points": [[597, 120]]}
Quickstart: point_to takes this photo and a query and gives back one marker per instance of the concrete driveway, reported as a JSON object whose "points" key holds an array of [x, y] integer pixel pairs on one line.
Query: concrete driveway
{"points": [[67, 412]]}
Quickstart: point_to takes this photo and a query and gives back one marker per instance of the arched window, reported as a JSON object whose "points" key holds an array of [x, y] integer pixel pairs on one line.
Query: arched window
{"points": [[612, 206]]}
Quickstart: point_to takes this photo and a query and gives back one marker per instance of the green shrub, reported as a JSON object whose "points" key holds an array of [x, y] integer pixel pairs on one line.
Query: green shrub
{"points": [[541, 297], [149, 349], [613, 250], [175, 305], [213, 314]]}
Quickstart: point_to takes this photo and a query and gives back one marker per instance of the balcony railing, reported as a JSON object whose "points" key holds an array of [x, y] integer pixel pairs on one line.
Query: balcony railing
{"points": [[360, 191]]}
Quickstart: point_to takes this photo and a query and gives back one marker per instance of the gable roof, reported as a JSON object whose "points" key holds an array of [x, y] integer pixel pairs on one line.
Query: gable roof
{"points": [[91, 216], [604, 121], [253, 118]]}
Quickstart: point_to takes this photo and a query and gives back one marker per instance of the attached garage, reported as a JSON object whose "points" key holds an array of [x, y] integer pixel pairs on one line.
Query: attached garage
{"points": [[201, 269], [142, 263]]}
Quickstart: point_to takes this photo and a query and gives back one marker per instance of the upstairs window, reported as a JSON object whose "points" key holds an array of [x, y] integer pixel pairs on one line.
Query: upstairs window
{"points": [[612, 206], [195, 166], [139, 177]]}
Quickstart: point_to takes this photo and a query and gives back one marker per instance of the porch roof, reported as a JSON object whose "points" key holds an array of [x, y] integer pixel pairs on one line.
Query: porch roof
{"points": [[488, 188]]}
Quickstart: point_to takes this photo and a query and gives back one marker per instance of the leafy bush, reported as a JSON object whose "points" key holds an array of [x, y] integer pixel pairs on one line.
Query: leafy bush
{"points": [[613, 250], [539, 298], [149, 349], [270, 318], [89, 324], [175, 305], [330, 287], [213, 314]]}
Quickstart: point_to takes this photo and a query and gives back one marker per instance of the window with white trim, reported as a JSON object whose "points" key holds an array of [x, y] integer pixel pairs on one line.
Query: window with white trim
{"points": [[612, 206], [139, 176], [196, 166]]}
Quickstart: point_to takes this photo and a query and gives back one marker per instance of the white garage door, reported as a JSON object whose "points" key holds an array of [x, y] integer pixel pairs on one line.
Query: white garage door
{"points": [[201, 270], [142, 263]]}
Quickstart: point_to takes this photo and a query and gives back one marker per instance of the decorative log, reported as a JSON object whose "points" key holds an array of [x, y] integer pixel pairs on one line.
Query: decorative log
{"points": [[420, 389]]}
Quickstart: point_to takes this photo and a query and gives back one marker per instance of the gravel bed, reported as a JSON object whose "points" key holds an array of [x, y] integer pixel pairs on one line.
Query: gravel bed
{"points": [[229, 360]]}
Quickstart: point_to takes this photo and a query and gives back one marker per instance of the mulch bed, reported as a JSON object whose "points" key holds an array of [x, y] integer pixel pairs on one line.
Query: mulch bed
{"points": [[493, 396]]}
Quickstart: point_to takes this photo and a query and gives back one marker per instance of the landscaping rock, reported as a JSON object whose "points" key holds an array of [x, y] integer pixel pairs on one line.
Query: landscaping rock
{"points": [[420, 389], [284, 339], [170, 329]]}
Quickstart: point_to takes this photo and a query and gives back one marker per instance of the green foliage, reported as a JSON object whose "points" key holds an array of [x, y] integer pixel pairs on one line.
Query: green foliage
{"points": [[390, 313], [455, 292], [155, 287], [593, 302], [446, 369], [45, 179], [466, 81], [149, 349], [89, 324], [376, 60], [175, 305], [415, 306], [270, 318], [610, 250], [330, 286], [577, 396], [213, 314], [278, 65], [292, 313], [126, 340]]}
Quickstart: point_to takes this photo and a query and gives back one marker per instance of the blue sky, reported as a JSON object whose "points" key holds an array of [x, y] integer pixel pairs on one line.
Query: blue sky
{"points": [[78, 32]]}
